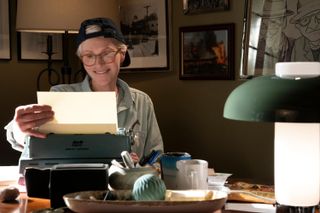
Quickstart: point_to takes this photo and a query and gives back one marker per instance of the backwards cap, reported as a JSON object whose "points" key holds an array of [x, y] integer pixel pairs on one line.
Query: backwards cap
{"points": [[107, 29]]}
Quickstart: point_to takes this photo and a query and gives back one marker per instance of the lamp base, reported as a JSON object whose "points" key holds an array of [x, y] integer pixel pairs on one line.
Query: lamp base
{"points": [[294, 209]]}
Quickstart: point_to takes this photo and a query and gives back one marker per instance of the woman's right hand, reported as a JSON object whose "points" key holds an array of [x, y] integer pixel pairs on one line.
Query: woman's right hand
{"points": [[29, 117]]}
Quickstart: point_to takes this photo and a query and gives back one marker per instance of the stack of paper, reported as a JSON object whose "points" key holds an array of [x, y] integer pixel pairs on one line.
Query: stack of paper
{"points": [[250, 207]]}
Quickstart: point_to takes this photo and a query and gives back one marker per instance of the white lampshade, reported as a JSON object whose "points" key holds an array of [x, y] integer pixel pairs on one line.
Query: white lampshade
{"points": [[59, 16], [297, 165]]}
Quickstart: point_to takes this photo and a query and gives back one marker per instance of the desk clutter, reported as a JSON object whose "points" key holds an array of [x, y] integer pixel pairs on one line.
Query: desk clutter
{"points": [[249, 192], [143, 186], [125, 180]]}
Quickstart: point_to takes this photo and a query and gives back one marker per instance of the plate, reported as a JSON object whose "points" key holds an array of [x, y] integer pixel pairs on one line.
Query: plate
{"points": [[80, 202]]}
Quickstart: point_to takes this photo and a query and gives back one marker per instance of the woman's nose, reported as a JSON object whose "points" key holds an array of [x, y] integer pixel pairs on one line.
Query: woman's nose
{"points": [[100, 60]]}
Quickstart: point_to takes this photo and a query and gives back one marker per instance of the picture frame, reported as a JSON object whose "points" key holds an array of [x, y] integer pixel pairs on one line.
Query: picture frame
{"points": [[276, 31], [144, 24], [5, 47], [207, 52], [197, 7], [33, 46]]}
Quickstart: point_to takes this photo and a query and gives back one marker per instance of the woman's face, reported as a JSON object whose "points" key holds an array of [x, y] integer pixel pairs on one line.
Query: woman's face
{"points": [[101, 59]]}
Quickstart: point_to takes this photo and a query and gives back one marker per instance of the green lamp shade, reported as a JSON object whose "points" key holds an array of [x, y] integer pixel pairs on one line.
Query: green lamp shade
{"points": [[275, 99]]}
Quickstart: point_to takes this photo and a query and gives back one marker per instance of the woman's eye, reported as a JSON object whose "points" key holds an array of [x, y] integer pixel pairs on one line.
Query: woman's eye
{"points": [[90, 56], [107, 54]]}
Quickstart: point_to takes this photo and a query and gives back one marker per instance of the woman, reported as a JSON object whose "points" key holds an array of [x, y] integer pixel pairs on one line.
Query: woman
{"points": [[102, 50]]}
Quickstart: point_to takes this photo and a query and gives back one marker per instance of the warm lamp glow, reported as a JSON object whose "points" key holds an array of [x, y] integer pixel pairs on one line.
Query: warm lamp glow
{"points": [[59, 15], [291, 99], [297, 165]]}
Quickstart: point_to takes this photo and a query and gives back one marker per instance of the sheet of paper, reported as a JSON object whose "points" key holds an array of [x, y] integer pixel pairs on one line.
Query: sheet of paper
{"points": [[80, 112], [250, 207], [10, 177]]}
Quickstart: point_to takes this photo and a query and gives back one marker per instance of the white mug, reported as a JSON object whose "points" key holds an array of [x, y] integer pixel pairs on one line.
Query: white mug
{"points": [[192, 174]]}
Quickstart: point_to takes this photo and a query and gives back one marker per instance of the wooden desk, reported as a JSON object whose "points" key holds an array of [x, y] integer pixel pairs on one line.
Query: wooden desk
{"points": [[25, 204]]}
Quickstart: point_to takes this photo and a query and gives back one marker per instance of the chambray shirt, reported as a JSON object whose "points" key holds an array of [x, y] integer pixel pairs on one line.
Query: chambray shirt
{"points": [[135, 111]]}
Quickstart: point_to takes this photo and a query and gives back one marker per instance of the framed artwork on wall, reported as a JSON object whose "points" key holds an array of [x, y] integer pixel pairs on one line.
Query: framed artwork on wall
{"points": [[144, 23], [196, 6], [277, 31], [33, 46], [5, 52], [207, 52]]}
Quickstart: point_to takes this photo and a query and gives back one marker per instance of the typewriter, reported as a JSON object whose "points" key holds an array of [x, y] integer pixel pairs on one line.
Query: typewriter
{"points": [[73, 148]]}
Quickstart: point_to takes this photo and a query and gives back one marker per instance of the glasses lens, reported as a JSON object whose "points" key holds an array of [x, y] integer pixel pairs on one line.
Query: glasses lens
{"points": [[108, 57], [88, 59]]}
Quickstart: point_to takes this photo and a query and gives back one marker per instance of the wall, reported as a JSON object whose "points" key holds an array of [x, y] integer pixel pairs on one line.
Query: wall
{"points": [[189, 112]]}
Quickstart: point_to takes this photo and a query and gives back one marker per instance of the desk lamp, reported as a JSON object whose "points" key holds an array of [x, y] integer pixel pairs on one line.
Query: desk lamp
{"points": [[290, 99], [60, 16]]}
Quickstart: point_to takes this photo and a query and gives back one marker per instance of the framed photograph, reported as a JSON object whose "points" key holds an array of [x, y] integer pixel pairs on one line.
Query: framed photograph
{"points": [[144, 24], [196, 6], [277, 31], [207, 52], [33, 46], [5, 52]]}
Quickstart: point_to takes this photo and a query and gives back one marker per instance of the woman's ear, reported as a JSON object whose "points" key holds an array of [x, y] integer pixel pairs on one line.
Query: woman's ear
{"points": [[122, 56]]}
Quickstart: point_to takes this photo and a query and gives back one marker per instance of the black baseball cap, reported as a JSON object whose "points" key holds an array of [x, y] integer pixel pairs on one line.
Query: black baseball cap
{"points": [[108, 30]]}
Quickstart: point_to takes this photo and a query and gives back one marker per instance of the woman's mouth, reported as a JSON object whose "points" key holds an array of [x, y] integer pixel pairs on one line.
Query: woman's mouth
{"points": [[101, 71]]}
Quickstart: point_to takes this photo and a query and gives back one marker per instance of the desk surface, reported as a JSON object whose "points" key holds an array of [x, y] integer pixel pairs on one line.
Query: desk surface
{"points": [[25, 204]]}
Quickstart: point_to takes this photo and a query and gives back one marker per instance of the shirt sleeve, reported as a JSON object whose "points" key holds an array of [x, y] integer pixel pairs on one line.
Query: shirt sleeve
{"points": [[153, 138], [15, 137]]}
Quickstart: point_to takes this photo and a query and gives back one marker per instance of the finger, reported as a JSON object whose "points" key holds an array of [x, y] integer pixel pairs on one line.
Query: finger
{"points": [[32, 108], [30, 117], [36, 133], [32, 112], [26, 126]]}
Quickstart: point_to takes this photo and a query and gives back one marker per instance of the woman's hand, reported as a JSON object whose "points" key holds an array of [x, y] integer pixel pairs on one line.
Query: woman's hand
{"points": [[29, 117]]}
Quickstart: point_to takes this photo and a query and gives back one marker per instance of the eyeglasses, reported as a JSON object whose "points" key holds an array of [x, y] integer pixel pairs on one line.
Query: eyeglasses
{"points": [[107, 57]]}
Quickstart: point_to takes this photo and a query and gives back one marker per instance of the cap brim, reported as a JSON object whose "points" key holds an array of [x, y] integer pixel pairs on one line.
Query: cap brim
{"points": [[126, 61]]}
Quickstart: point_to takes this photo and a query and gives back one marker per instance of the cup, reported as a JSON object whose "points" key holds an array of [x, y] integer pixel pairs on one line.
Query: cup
{"points": [[192, 174], [169, 170]]}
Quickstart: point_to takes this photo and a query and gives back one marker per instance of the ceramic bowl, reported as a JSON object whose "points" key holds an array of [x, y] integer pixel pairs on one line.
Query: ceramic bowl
{"points": [[123, 178]]}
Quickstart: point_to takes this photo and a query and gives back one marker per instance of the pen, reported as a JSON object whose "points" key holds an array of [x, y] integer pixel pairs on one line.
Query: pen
{"points": [[144, 160], [153, 158]]}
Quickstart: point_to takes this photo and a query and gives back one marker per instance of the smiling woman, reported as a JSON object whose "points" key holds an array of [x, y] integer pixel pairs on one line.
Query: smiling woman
{"points": [[103, 51]]}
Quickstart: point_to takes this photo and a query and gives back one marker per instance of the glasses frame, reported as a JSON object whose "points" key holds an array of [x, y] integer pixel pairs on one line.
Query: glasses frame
{"points": [[99, 55]]}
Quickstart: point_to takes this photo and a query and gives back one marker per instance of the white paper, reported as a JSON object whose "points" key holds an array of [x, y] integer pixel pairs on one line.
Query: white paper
{"points": [[9, 175], [251, 207], [80, 112]]}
